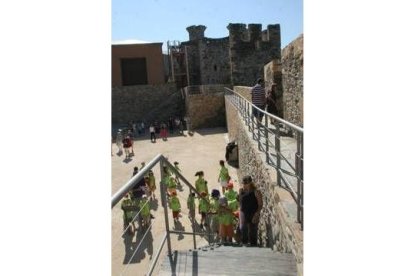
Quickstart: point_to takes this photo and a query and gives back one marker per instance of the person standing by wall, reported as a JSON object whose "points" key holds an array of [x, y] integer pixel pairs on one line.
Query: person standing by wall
{"points": [[258, 99], [251, 204]]}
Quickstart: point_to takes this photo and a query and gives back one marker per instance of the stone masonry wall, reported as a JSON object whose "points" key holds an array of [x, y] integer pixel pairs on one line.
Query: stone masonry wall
{"points": [[214, 61], [205, 106], [146, 102], [292, 63], [276, 228], [273, 75]]}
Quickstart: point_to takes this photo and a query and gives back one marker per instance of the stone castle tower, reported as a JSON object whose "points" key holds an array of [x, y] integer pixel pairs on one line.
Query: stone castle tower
{"points": [[237, 59]]}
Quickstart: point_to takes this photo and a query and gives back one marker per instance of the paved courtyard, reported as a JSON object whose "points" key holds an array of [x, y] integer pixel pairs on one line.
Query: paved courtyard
{"points": [[201, 151]]}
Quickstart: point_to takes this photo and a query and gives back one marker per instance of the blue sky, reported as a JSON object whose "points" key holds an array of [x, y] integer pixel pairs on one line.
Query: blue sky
{"points": [[163, 20]]}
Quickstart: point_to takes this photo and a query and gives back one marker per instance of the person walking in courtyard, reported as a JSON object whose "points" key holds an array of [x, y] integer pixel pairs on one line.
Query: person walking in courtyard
{"points": [[152, 133], [223, 177], [258, 99], [203, 206], [127, 144], [119, 139], [152, 185], [175, 206], [250, 206]]}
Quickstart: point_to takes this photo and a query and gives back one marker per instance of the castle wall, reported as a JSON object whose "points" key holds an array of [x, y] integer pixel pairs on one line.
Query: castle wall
{"points": [[237, 59], [248, 57], [273, 75], [214, 61], [146, 102], [292, 66]]}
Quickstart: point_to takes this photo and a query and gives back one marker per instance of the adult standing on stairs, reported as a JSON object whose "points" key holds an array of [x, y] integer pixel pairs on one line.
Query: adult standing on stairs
{"points": [[251, 203]]}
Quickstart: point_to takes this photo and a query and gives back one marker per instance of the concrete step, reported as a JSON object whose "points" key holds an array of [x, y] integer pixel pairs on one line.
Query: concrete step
{"points": [[229, 260]]}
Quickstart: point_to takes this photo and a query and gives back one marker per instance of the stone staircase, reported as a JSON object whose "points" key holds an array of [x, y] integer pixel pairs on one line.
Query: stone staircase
{"points": [[229, 260]]}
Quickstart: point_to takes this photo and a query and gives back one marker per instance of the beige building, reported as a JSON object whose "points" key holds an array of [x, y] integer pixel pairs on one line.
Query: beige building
{"points": [[137, 64]]}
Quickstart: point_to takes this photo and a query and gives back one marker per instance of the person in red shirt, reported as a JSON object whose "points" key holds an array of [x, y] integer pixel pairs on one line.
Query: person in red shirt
{"points": [[127, 144]]}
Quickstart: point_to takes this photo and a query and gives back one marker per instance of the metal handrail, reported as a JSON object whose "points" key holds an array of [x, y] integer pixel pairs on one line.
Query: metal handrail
{"points": [[244, 107], [116, 198]]}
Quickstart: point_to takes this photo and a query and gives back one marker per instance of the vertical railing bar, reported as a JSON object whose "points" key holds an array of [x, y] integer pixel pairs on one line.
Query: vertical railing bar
{"points": [[267, 138], [277, 148], [165, 205]]}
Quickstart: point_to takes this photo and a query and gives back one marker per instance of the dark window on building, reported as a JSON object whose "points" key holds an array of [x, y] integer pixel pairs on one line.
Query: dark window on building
{"points": [[215, 67], [134, 71]]}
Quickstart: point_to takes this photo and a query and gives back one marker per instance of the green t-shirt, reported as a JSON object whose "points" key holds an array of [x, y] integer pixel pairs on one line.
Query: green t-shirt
{"points": [[225, 216], [145, 207], [201, 185], [203, 205], [231, 195], [224, 174], [175, 203], [214, 205]]}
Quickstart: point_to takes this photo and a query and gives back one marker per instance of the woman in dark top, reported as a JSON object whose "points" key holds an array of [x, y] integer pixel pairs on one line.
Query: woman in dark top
{"points": [[250, 205]]}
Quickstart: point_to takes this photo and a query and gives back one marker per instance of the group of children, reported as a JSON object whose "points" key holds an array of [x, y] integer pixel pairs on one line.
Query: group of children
{"points": [[217, 213], [135, 204]]}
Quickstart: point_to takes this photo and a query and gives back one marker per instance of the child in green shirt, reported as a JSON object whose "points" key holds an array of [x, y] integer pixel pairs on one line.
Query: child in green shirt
{"points": [[214, 206], [223, 177], [232, 197], [226, 221], [201, 184], [151, 185], [175, 206], [145, 211], [203, 206], [130, 209]]}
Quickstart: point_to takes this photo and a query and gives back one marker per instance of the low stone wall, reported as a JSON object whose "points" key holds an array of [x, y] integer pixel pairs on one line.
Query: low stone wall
{"points": [[206, 110], [244, 91], [277, 229], [146, 102], [205, 105]]}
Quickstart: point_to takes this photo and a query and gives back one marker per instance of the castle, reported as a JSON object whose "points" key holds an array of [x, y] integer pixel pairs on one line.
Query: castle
{"points": [[237, 59]]}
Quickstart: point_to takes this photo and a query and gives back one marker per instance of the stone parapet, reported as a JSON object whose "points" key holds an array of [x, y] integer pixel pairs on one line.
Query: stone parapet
{"points": [[292, 62], [205, 106]]}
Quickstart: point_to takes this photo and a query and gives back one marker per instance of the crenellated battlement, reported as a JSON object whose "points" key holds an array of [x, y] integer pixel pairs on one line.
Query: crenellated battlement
{"points": [[196, 32], [254, 33]]}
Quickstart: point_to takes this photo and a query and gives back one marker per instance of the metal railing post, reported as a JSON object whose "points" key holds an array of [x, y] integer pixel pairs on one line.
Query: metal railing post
{"points": [[277, 148], [267, 137], [258, 134], [165, 205], [300, 177]]}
